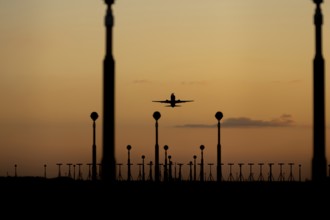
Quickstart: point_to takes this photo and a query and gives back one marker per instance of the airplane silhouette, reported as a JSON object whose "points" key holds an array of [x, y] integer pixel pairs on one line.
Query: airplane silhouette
{"points": [[173, 102]]}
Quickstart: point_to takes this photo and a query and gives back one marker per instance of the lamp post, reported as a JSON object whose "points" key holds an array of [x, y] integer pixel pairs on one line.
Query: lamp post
{"points": [[15, 170], [170, 168], [74, 171], [143, 173], [319, 164], [194, 167], [59, 169], [156, 116], [165, 166], [45, 170], [299, 172], [202, 147], [219, 116], [94, 116], [108, 157], [190, 171], [79, 171], [69, 171], [128, 163]]}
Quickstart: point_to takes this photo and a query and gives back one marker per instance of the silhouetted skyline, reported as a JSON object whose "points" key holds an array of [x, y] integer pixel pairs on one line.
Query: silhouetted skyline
{"points": [[163, 179]]}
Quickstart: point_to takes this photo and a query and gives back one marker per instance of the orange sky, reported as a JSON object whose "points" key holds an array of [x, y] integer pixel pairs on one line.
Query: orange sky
{"points": [[251, 60]]}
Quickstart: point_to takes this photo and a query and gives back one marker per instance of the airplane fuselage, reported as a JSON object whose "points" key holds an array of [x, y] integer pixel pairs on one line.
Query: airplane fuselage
{"points": [[173, 102]]}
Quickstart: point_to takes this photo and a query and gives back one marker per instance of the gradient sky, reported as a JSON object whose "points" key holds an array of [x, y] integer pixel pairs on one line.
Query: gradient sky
{"points": [[251, 60]]}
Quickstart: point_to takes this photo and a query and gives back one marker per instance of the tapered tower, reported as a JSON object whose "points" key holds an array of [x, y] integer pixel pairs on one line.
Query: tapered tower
{"points": [[319, 164], [108, 160]]}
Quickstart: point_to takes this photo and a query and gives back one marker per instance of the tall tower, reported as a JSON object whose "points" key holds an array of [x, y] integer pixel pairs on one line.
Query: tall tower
{"points": [[108, 160], [319, 164]]}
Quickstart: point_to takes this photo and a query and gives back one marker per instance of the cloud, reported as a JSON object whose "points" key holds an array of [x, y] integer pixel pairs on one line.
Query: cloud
{"points": [[283, 121]]}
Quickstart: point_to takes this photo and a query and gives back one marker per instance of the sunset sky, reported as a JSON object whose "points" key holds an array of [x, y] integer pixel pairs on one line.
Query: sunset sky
{"points": [[251, 60]]}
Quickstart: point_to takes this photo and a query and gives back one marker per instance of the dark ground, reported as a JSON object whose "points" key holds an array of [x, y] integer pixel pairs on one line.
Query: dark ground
{"points": [[61, 196]]}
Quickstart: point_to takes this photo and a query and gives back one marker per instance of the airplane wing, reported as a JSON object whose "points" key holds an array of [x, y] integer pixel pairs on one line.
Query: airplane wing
{"points": [[163, 101], [182, 101]]}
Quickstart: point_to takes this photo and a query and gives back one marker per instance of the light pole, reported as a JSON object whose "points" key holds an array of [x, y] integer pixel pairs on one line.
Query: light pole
{"points": [[74, 171], [94, 116], [202, 147], [194, 167], [190, 171], [170, 168], [156, 116], [299, 172], [45, 170], [15, 170], [108, 157], [319, 163], [59, 169], [143, 173], [128, 163], [69, 172], [219, 116], [165, 166], [79, 171]]}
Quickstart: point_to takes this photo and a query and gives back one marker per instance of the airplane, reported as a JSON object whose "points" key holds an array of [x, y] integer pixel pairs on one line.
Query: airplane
{"points": [[173, 102]]}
